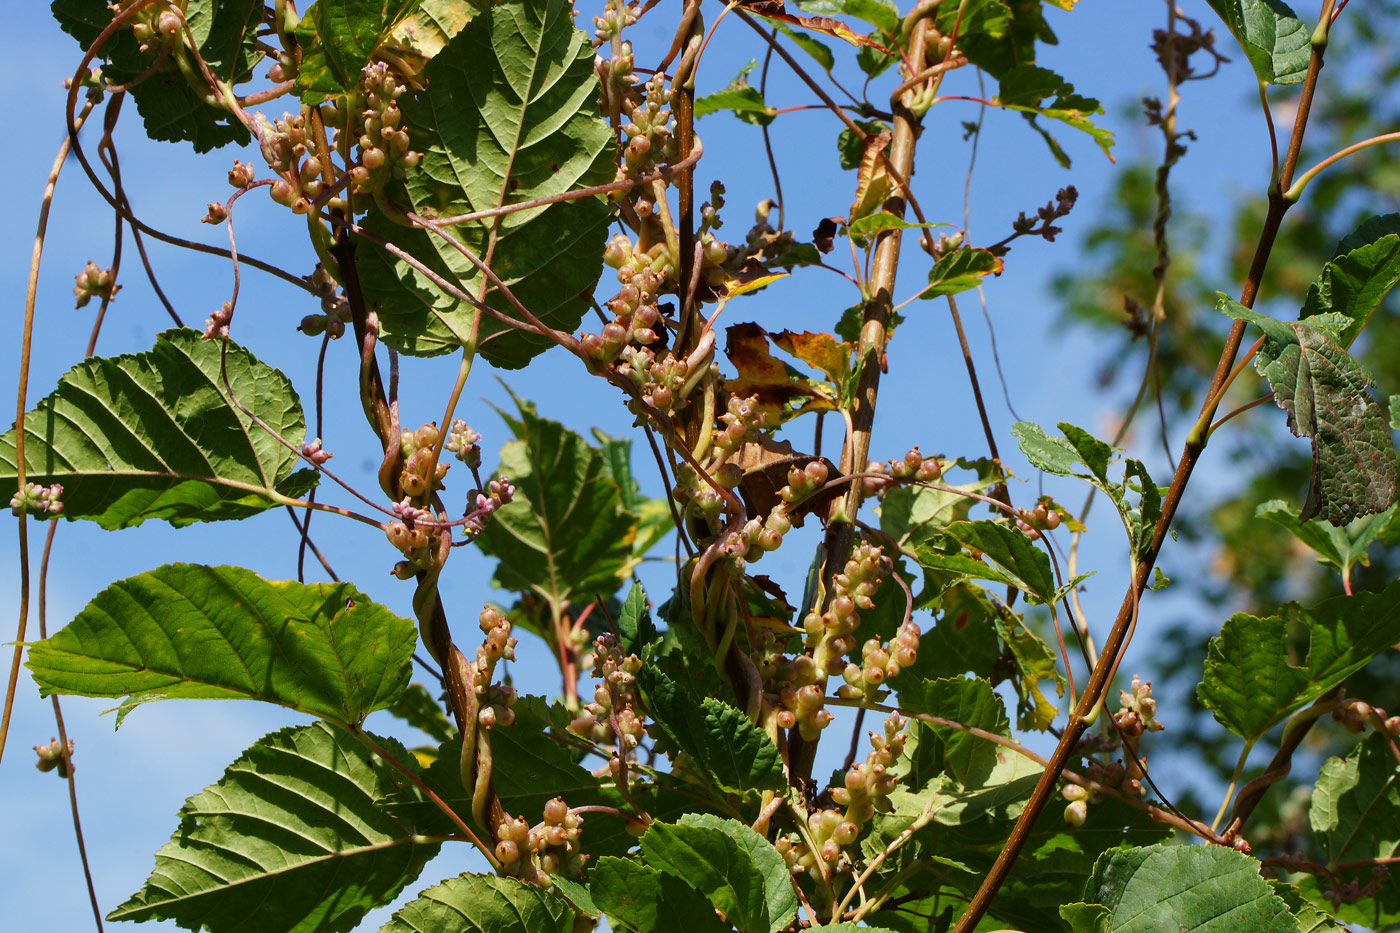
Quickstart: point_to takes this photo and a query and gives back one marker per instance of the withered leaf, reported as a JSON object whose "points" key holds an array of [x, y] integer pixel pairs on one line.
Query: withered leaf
{"points": [[873, 183], [763, 376]]}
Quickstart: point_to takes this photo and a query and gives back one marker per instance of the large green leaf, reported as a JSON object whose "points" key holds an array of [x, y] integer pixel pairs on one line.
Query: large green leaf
{"points": [[224, 31], [1250, 682], [1324, 391], [777, 886], [934, 750], [1355, 282], [509, 114], [291, 838], [566, 536], [1273, 38], [734, 753], [1210, 889], [483, 904], [184, 630], [338, 38], [1355, 810], [153, 435], [717, 865], [639, 898]]}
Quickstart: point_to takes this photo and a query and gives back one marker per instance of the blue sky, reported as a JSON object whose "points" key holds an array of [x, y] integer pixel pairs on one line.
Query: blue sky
{"points": [[131, 782]]}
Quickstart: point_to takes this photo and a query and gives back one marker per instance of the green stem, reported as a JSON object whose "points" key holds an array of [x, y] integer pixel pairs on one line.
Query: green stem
{"points": [[1230, 788], [1295, 191]]}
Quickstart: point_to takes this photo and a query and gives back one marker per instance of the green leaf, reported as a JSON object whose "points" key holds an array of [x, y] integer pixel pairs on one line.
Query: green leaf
{"points": [[153, 435], [734, 753], [1340, 548], [1086, 918], [172, 107], [914, 514], [934, 750], [291, 838], [509, 114], [777, 885], [881, 13], [997, 35], [1275, 41], [959, 271], [1025, 87], [1324, 392], [577, 894], [338, 38], [719, 867], [818, 50], [739, 96], [1250, 682], [1175, 887], [850, 147], [483, 904], [1354, 283], [185, 630], [1021, 563], [417, 707], [643, 899], [565, 536], [431, 24], [1060, 455], [864, 230], [1355, 810], [634, 624]]}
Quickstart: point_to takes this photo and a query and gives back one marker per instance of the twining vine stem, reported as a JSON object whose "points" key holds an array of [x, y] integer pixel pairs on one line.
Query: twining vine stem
{"points": [[1114, 643]]}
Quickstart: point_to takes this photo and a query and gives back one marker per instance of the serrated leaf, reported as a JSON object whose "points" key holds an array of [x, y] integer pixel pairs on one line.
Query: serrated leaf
{"points": [[431, 24], [734, 753], [1025, 88], [879, 13], [960, 270], [565, 536], [1355, 811], [643, 899], [1324, 392], [997, 35], [483, 904], [291, 838], [1274, 40], [1204, 888], [717, 866], [935, 750], [509, 114], [777, 885], [172, 107], [1250, 682], [913, 514], [153, 435], [338, 38], [634, 624], [576, 893], [1021, 563], [1354, 283], [185, 630]]}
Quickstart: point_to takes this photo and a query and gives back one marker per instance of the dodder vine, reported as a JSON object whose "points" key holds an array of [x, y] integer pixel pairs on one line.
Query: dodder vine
{"points": [[457, 167]]}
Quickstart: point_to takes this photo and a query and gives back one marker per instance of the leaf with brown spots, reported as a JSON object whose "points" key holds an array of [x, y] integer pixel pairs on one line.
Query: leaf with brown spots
{"points": [[762, 375], [766, 463], [823, 352]]}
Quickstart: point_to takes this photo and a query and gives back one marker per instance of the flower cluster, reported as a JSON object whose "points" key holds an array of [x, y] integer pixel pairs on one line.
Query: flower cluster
{"points": [[52, 758], [92, 283], [553, 844], [312, 451], [499, 492], [284, 147], [216, 325], [1137, 712], [493, 701], [879, 662], [383, 145], [34, 499], [464, 443], [420, 460], [152, 26], [867, 787], [615, 699], [913, 466]]}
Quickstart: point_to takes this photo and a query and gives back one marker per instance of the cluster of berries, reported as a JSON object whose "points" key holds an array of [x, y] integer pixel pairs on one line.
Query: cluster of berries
{"points": [[613, 714], [552, 845]]}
